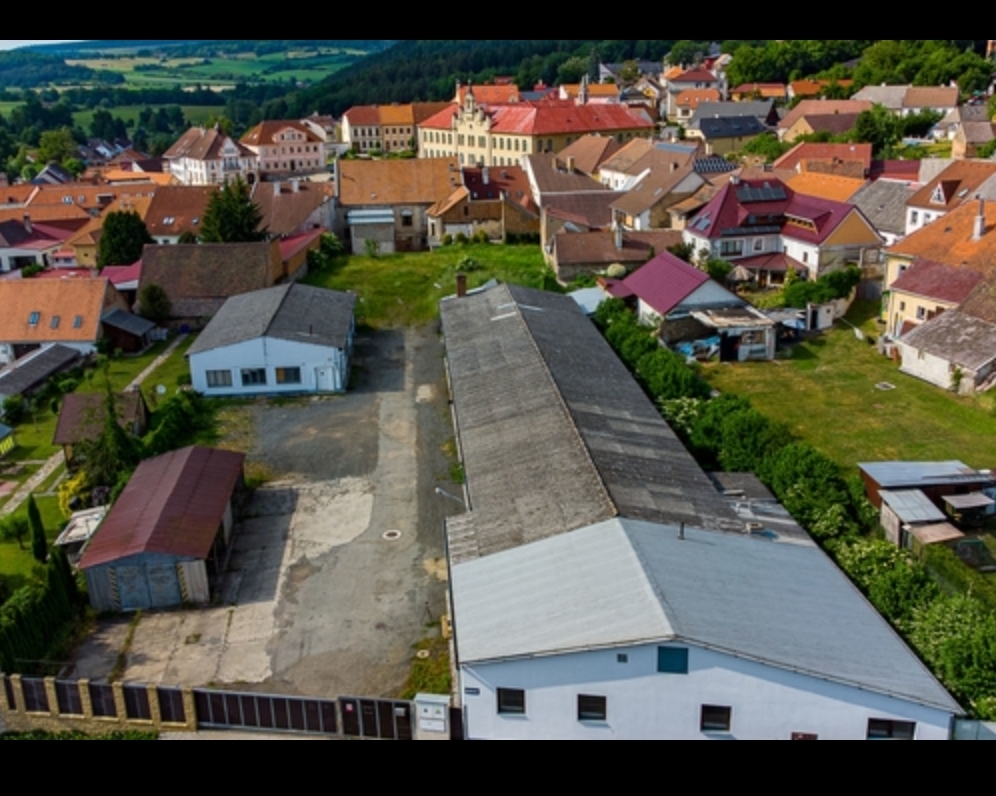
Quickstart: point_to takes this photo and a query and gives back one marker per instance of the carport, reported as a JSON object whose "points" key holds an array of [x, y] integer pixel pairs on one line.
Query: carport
{"points": [[166, 534]]}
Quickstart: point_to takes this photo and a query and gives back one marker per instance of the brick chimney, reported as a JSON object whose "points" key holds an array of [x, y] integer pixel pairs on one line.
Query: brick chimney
{"points": [[571, 165], [27, 224], [980, 221]]}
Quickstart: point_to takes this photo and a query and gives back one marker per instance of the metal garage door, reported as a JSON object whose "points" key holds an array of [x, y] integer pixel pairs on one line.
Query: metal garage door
{"points": [[133, 588], [164, 586]]}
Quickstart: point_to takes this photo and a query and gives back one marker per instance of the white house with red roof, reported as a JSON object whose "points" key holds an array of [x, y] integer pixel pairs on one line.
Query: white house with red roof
{"points": [[767, 227], [686, 304], [25, 243], [695, 79]]}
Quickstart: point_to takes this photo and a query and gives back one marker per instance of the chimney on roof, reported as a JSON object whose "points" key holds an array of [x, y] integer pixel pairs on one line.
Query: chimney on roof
{"points": [[571, 165], [461, 285], [980, 221], [295, 186], [276, 188], [486, 175], [617, 234], [27, 224]]}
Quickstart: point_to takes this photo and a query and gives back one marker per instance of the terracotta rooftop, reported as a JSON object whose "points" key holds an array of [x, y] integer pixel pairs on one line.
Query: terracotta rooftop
{"points": [[665, 282], [264, 133], [954, 185], [932, 97], [693, 97], [491, 95], [812, 88], [174, 505], [16, 194], [938, 282], [826, 186], [382, 183], [833, 123], [800, 155], [47, 214], [40, 311], [604, 90], [553, 118], [951, 240], [764, 90], [590, 152], [286, 212], [510, 180], [89, 197], [694, 76], [600, 248], [200, 143], [176, 209], [588, 210]]}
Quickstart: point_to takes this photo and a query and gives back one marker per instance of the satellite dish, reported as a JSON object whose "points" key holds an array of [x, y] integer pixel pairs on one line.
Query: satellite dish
{"points": [[161, 390]]}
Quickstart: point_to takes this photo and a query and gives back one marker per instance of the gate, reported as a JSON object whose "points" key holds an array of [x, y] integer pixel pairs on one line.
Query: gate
{"points": [[376, 718], [223, 710]]}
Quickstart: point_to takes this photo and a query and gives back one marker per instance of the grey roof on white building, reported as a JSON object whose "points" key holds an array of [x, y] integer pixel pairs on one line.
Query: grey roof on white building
{"points": [[884, 204], [297, 313], [760, 110], [956, 337], [622, 583], [910, 474], [555, 433], [891, 97]]}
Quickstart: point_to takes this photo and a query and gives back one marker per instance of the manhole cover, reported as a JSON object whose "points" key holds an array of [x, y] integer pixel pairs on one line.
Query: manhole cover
{"points": [[423, 655], [391, 536], [885, 386]]}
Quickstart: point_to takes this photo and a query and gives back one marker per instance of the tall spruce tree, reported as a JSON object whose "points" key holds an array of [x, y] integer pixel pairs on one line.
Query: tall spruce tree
{"points": [[39, 545], [232, 216], [122, 239]]}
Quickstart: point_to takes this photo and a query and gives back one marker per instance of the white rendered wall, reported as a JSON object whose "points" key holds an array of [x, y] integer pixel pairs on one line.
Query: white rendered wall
{"points": [[767, 703]]}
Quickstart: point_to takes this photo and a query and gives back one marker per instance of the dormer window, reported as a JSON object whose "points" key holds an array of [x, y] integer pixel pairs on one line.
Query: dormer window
{"points": [[78, 322], [938, 197], [169, 221], [34, 319], [56, 320]]}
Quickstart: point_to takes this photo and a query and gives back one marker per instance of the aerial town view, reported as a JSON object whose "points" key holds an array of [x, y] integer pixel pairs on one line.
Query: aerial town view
{"points": [[498, 390]]}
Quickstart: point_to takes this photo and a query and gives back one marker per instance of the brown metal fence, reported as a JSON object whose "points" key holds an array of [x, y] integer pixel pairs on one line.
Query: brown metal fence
{"points": [[374, 718], [226, 710]]}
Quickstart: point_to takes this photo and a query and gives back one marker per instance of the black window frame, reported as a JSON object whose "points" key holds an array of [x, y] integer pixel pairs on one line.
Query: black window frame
{"points": [[254, 377], [891, 730], [672, 660], [711, 722], [511, 701], [593, 709]]}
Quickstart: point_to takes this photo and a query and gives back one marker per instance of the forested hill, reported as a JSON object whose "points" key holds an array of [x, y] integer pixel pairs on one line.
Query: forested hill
{"points": [[26, 69], [426, 70], [204, 47]]}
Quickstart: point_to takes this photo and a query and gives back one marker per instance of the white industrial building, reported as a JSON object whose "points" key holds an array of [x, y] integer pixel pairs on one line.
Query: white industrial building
{"points": [[291, 339], [603, 588]]}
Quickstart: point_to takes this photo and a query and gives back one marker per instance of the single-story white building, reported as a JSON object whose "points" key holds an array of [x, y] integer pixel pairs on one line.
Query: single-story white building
{"points": [[290, 339], [955, 351]]}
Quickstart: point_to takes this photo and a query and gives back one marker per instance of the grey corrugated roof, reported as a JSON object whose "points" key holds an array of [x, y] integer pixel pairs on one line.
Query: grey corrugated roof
{"points": [[555, 433], [119, 319], [884, 204], [721, 110], [911, 474], [913, 506], [623, 583], [30, 374], [730, 127], [891, 97], [298, 313]]}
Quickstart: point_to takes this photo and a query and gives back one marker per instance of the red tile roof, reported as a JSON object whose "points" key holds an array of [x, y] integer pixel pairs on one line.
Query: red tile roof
{"points": [[665, 282], [291, 246], [938, 282], [122, 274], [773, 262], [492, 95], [174, 505], [363, 116], [956, 183], [264, 133], [823, 108], [695, 76], [552, 118]]}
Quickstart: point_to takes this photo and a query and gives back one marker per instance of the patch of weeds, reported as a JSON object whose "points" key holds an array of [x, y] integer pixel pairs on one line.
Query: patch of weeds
{"points": [[122, 662], [457, 474], [192, 640], [430, 674], [258, 475]]}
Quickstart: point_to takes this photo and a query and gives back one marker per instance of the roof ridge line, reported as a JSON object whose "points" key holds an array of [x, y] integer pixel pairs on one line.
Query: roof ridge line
{"points": [[280, 306], [563, 403]]}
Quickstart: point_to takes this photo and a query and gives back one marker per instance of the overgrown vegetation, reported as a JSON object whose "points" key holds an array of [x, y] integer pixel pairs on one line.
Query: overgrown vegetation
{"points": [[431, 670], [956, 636]]}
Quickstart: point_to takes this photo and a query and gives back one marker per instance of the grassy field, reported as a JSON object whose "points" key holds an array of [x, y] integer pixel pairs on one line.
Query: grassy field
{"points": [[17, 567], [404, 289], [826, 393]]}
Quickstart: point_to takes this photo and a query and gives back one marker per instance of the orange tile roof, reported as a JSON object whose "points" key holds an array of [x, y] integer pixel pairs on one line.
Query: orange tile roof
{"points": [[693, 97], [380, 183], [491, 95], [951, 240], [363, 116], [77, 304], [826, 186], [398, 115], [763, 90], [89, 197], [264, 133], [175, 207], [823, 108], [16, 194], [90, 234], [573, 90], [804, 153], [956, 183], [45, 213], [136, 177], [812, 88]]}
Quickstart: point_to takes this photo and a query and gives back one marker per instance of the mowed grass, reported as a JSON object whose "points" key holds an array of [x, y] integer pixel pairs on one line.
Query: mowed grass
{"points": [[827, 395], [17, 567], [399, 290]]}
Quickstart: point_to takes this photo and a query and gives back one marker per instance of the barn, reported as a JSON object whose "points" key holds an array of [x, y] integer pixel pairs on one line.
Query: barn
{"points": [[167, 534]]}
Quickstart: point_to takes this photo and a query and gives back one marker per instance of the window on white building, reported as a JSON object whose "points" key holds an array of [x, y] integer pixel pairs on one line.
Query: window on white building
{"points": [[217, 379], [593, 708], [288, 376], [716, 719], [254, 377], [672, 661], [881, 730], [511, 702]]}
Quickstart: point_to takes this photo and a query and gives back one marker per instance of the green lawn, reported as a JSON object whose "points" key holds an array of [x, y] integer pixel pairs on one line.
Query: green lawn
{"points": [[168, 374], [404, 289], [17, 567], [826, 393]]}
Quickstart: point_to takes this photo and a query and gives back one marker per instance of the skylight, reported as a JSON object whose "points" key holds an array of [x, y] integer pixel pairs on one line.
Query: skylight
{"points": [[34, 319], [56, 320]]}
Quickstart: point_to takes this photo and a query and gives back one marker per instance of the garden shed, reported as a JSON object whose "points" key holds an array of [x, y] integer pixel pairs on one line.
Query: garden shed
{"points": [[167, 533]]}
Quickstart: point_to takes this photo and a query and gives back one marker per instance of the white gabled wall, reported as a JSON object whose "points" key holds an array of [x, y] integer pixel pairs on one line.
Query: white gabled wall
{"points": [[272, 354], [767, 703]]}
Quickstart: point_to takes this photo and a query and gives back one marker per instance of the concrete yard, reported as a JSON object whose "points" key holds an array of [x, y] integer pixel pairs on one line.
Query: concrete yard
{"points": [[317, 602]]}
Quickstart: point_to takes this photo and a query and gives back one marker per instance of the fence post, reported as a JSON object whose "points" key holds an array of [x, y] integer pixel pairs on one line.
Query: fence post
{"points": [[53, 697], [85, 700], [155, 712], [120, 706], [17, 692], [190, 709]]}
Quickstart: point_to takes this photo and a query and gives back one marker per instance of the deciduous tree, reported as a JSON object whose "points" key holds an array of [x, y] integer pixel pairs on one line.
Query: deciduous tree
{"points": [[122, 239]]}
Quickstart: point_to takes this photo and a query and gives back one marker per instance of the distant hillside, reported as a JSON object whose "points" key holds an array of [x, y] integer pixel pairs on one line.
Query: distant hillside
{"points": [[28, 69], [204, 47]]}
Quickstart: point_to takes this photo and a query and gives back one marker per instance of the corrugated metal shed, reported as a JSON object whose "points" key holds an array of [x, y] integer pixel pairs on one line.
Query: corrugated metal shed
{"points": [[33, 371], [781, 602], [913, 507], [911, 474], [174, 505]]}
